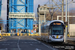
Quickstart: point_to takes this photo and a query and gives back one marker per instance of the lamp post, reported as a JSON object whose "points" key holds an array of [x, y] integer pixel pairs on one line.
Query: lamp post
{"points": [[65, 37], [68, 14]]}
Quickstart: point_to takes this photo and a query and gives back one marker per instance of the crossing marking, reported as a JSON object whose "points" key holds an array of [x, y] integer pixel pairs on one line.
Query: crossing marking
{"points": [[18, 44], [46, 45], [37, 49], [8, 42], [29, 42], [5, 44]]}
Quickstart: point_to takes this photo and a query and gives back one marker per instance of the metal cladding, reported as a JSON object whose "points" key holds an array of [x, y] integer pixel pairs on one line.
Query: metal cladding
{"points": [[16, 19], [0, 7]]}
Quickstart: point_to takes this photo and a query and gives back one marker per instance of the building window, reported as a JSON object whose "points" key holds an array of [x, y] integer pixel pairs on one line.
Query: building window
{"points": [[47, 8], [44, 8], [40, 8]]}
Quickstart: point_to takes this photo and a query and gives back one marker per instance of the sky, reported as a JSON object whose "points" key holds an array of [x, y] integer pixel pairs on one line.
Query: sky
{"points": [[36, 2]]}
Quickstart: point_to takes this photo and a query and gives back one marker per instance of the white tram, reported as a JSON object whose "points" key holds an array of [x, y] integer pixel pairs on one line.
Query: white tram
{"points": [[53, 31]]}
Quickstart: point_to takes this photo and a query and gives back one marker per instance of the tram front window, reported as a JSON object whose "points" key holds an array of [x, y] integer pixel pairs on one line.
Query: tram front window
{"points": [[57, 30]]}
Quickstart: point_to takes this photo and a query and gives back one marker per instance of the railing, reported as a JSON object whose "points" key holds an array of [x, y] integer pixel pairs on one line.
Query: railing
{"points": [[72, 33]]}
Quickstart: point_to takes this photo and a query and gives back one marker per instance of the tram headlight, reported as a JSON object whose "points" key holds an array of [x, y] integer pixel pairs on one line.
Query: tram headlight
{"points": [[61, 36], [53, 36]]}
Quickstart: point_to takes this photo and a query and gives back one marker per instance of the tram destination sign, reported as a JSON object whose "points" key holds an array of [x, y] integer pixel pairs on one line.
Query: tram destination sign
{"points": [[21, 15]]}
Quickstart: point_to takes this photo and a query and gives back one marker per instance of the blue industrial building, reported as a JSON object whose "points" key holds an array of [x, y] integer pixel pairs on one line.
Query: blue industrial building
{"points": [[20, 7], [0, 7]]}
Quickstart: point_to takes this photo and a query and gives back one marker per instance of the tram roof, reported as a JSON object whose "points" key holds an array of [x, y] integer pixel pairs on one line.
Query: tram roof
{"points": [[56, 21], [49, 22]]}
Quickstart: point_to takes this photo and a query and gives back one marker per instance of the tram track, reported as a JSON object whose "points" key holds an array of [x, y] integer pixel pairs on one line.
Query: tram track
{"points": [[60, 46]]}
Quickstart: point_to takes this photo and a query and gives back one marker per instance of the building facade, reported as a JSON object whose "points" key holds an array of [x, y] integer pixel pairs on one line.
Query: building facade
{"points": [[42, 11]]}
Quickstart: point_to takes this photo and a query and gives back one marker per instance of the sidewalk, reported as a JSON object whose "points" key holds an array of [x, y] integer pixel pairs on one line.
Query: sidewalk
{"points": [[71, 38]]}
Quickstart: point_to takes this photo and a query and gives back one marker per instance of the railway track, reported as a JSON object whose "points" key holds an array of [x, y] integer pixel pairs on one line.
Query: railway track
{"points": [[58, 45]]}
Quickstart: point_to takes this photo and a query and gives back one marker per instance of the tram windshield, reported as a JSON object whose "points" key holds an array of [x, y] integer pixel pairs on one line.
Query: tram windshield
{"points": [[57, 30]]}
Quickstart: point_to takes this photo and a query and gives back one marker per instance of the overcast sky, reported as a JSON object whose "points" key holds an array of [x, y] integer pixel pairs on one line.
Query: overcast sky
{"points": [[36, 2]]}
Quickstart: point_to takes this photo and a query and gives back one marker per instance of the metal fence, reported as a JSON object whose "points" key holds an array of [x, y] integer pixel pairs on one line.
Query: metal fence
{"points": [[72, 33]]}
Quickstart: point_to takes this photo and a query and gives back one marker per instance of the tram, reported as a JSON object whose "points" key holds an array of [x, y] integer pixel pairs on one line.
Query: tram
{"points": [[53, 31]]}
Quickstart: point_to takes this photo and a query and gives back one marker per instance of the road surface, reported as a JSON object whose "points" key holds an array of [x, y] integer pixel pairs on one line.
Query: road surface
{"points": [[22, 43]]}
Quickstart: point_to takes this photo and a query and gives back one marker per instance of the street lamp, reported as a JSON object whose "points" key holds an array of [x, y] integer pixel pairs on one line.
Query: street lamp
{"points": [[65, 37], [68, 14]]}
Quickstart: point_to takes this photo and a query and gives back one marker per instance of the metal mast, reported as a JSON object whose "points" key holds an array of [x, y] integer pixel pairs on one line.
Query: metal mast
{"points": [[0, 7], [62, 10], [7, 15], [65, 38]]}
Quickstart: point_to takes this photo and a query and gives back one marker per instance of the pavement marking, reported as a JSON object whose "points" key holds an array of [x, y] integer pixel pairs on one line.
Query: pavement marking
{"points": [[8, 42], [31, 44], [5, 44], [37, 49], [6, 48], [18, 44]]}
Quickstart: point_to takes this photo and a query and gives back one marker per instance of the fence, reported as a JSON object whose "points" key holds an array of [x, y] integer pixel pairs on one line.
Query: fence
{"points": [[72, 33]]}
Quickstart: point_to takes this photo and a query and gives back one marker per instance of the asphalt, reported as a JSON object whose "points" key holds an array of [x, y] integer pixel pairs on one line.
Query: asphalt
{"points": [[23, 43]]}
